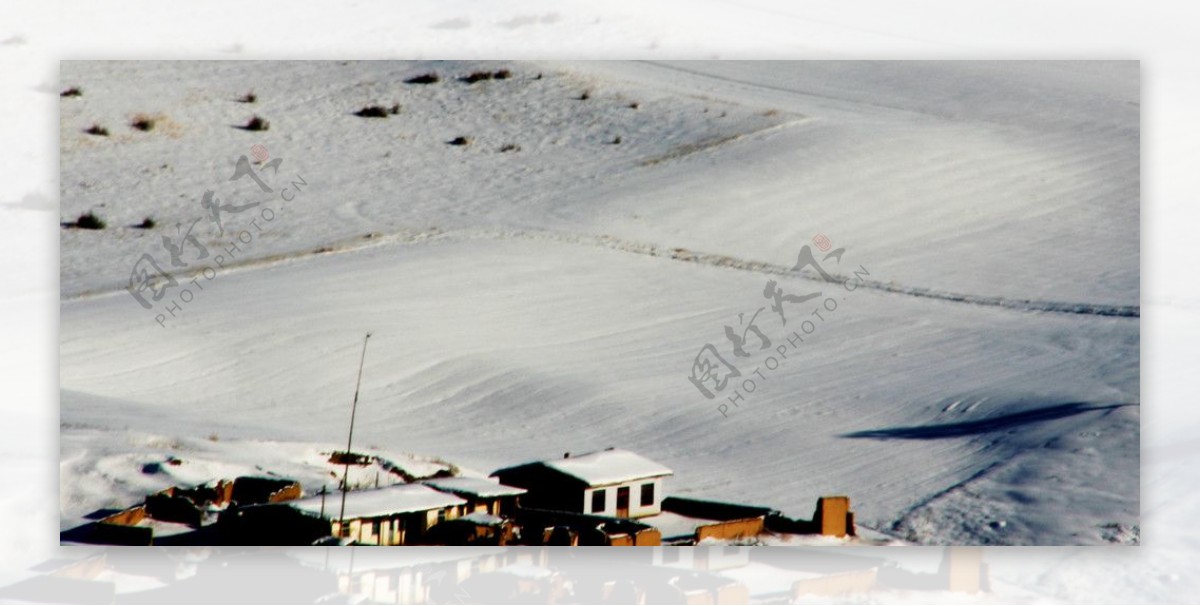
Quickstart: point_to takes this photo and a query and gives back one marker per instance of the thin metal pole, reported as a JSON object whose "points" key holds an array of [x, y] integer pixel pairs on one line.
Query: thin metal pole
{"points": [[350, 440]]}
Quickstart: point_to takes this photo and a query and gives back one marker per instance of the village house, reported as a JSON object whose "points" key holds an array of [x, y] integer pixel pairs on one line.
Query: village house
{"points": [[610, 497], [482, 495], [395, 515], [615, 483]]}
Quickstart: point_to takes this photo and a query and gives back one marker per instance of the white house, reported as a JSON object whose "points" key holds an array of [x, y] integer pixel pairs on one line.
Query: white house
{"points": [[613, 482], [396, 515]]}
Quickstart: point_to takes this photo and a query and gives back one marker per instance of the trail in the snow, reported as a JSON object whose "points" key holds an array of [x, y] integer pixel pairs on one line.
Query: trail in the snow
{"points": [[792, 91], [857, 277]]}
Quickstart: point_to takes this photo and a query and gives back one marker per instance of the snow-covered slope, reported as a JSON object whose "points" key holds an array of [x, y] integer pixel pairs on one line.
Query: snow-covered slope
{"points": [[527, 303]]}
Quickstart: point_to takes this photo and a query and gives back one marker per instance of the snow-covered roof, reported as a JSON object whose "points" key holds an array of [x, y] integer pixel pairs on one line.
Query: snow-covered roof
{"points": [[608, 467], [477, 487], [402, 498]]}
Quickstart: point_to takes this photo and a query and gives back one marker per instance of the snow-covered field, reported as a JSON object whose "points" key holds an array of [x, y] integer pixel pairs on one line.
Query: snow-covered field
{"points": [[980, 386]]}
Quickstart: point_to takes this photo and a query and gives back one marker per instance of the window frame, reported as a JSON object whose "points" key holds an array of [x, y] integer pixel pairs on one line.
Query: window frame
{"points": [[647, 490], [601, 495]]}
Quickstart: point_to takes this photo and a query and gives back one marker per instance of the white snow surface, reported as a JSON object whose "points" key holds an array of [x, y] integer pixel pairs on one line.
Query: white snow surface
{"points": [[552, 299]]}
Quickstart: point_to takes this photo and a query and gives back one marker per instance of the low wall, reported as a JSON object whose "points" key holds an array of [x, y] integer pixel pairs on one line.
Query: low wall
{"points": [[257, 491], [127, 517], [832, 517], [648, 537], [725, 521], [713, 510], [167, 507], [272, 524], [731, 529], [583, 528], [217, 494]]}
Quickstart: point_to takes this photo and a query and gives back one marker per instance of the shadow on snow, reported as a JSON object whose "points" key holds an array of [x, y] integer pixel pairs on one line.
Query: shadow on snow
{"points": [[981, 426]]}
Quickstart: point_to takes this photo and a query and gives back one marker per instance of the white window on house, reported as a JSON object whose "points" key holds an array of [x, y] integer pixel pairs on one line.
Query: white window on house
{"points": [[647, 494], [598, 499]]}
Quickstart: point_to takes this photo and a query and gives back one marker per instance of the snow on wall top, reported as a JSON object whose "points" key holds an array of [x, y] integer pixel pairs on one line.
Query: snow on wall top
{"points": [[483, 519], [608, 467], [404, 498], [478, 487]]}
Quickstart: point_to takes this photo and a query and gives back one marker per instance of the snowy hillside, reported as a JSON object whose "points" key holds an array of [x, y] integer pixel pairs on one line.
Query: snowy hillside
{"points": [[547, 286]]}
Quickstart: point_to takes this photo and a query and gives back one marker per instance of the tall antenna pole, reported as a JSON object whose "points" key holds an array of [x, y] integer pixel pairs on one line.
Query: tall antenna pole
{"points": [[342, 530]]}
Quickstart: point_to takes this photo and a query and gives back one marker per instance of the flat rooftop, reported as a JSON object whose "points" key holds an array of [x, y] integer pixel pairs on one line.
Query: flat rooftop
{"points": [[401, 498]]}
